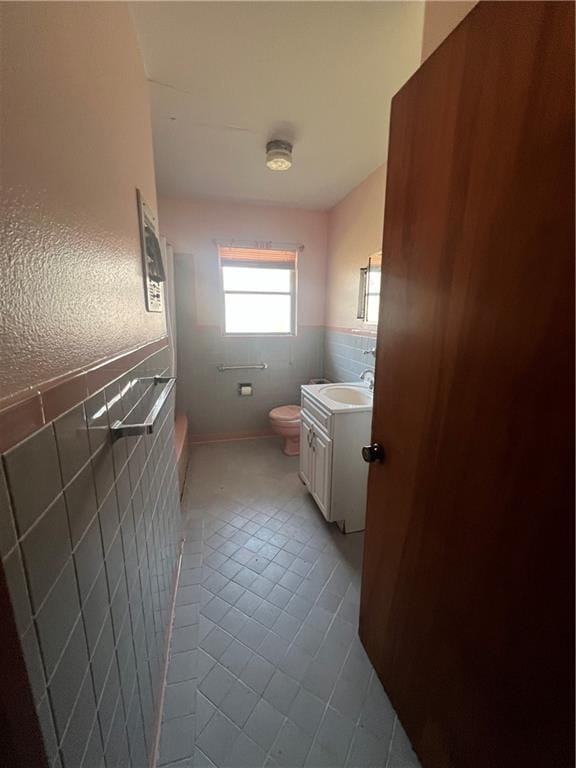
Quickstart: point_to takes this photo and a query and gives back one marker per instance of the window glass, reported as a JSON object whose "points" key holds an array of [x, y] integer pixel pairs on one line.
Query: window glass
{"points": [[257, 313], [261, 279]]}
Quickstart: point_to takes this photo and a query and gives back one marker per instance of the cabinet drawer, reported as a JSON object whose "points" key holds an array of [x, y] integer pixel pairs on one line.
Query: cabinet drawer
{"points": [[321, 417]]}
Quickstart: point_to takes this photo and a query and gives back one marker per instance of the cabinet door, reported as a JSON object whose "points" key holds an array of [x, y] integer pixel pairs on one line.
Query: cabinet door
{"points": [[322, 476], [306, 455]]}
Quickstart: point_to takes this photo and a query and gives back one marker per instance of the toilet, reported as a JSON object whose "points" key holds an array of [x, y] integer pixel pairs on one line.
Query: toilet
{"points": [[285, 421]]}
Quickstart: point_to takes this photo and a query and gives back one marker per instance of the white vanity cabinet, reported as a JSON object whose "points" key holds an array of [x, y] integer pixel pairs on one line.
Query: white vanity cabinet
{"points": [[331, 438]]}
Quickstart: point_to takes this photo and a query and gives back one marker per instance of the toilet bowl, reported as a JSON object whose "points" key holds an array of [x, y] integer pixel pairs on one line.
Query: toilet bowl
{"points": [[285, 421]]}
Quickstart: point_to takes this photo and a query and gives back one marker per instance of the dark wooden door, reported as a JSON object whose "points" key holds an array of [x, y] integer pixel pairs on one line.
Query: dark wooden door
{"points": [[467, 595]]}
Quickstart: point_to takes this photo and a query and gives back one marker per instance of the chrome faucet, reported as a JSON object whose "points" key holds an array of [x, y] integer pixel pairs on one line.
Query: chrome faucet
{"points": [[368, 376]]}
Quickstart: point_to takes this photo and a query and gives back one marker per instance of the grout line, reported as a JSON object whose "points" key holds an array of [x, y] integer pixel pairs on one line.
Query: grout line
{"points": [[389, 755], [156, 751]]}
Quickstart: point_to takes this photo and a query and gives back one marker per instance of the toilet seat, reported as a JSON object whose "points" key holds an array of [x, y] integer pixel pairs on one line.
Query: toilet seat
{"points": [[286, 414]]}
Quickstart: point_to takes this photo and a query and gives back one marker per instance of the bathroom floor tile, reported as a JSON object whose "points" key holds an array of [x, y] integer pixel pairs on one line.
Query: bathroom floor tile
{"points": [[271, 595]]}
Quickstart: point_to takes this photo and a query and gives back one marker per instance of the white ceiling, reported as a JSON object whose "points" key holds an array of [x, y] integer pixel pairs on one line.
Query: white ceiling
{"points": [[234, 75]]}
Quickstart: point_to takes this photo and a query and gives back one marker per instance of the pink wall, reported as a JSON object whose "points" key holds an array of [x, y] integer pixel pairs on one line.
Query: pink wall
{"points": [[440, 18], [356, 223], [354, 234], [76, 142], [193, 226]]}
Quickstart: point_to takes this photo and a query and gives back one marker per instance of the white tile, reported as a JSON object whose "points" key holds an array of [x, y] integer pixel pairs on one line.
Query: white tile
{"points": [[261, 586], [242, 556], [217, 738], [341, 632], [264, 533], [213, 581], [295, 662], [266, 613], [319, 618], [279, 540], [205, 663], [257, 673], [239, 703], [232, 592], [291, 746], [291, 581], [215, 609], [254, 544], [235, 657], [293, 547], [200, 760], [252, 634], [299, 566], [244, 576], [309, 638], [248, 603], [281, 691], [228, 548], [279, 596], [240, 538], [258, 563], [215, 559], [273, 648], [182, 666], [216, 642], [263, 724], [329, 601], [179, 699], [291, 637], [177, 740], [401, 753], [230, 568], [349, 611], [245, 754], [366, 750], [233, 621], [269, 551], [216, 684], [320, 679], [348, 698], [318, 757], [335, 733], [284, 558], [298, 606], [286, 626], [204, 711], [306, 711]]}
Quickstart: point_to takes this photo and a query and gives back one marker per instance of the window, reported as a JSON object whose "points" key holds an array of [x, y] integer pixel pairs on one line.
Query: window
{"points": [[259, 291]]}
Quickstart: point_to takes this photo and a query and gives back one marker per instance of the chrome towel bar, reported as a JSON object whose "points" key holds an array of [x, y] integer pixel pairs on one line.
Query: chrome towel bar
{"points": [[244, 367], [126, 429]]}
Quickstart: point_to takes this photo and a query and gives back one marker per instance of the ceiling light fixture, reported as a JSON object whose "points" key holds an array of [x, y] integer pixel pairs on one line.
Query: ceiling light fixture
{"points": [[278, 155]]}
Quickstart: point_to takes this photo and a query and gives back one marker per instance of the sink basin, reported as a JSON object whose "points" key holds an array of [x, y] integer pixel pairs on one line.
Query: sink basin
{"points": [[347, 394]]}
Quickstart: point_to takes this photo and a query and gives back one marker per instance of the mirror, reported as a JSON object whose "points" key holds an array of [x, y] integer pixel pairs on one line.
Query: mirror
{"points": [[369, 290]]}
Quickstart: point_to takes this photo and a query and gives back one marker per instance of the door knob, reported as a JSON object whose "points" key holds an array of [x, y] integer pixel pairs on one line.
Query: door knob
{"points": [[373, 452]]}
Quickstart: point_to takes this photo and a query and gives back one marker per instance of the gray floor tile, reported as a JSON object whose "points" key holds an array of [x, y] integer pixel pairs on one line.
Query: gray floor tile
{"points": [[263, 724], [270, 593], [217, 738], [281, 691], [177, 740], [291, 746]]}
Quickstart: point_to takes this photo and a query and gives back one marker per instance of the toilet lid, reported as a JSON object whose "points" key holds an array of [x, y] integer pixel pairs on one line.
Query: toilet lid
{"points": [[285, 413]]}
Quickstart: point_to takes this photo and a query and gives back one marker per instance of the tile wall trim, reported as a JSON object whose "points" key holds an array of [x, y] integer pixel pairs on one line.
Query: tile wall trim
{"points": [[352, 331], [219, 437], [26, 412]]}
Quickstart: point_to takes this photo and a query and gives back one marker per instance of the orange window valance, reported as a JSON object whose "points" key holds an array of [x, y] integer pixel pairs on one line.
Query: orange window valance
{"points": [[234, 256]]}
